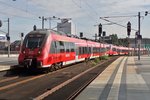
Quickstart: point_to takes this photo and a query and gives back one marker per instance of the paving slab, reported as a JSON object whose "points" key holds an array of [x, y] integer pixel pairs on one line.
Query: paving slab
{"points": [[125, 79]]}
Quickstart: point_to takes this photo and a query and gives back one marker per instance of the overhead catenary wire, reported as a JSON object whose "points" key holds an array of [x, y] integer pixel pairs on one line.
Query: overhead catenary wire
{"points": [[90, 7], [83, 9], [117, 23], [76, 4], [14, 7], [120, 16], [13, 15]]}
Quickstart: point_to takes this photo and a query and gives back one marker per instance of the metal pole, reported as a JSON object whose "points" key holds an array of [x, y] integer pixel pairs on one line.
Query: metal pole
{"points": [[135, 46], [139, 23], [128, 45], [95, 37], [21, 42], [50, 23], [100, 47], [42, 22], [8, 40]]}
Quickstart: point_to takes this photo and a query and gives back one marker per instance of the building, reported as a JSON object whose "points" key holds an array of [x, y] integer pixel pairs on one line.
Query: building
{"points": [[15, 46], [145, 43], [133, 43], [66, 26], [3, 42]]}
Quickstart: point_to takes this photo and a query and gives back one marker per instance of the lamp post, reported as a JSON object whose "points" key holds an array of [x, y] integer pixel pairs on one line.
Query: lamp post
{"points": [[139, 29], [128, 33], [52, 18], [100, 29], [8, 37], [0, 23], [21, 35], [42, 21], [135, 51], [48, 18]]}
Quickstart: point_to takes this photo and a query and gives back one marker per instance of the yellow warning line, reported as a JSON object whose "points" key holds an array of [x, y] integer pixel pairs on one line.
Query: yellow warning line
{"points": [[8, 79]]}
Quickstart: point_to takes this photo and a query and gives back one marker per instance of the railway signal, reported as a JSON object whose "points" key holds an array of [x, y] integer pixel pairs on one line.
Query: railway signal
{"points": [[146, 13], [81, 34], [104, 33], [22, 34], [34, 27], [8, 37], [0, 23], [128, 28], [99, 30]]}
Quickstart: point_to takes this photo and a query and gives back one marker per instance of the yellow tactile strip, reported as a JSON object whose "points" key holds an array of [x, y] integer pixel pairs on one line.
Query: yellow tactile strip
{"points": [[94, 90]]}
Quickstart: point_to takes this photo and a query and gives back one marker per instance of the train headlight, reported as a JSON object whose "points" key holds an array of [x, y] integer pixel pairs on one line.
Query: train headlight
{"points": [[23, 51], [39, 52]]}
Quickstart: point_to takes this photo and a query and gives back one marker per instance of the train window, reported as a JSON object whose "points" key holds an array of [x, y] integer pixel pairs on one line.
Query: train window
{"points": [[72, 47], [97, 50], [61, 46], [108, 48], [94, 50], [67, 46], [81, 50], [53, 47], [33, 41], [102, 50], [77, 50], [57, 46], [89, 50], [118, 50], [84, 50], [61, 43], [31, 35], [114, 49], [62, 50]]}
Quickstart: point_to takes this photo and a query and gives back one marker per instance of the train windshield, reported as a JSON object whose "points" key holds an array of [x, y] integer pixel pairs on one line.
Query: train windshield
{"points": [[34, 41]]}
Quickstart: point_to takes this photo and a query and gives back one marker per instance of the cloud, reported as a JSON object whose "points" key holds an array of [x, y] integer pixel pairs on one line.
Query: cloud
{"points": [[61, 8]]}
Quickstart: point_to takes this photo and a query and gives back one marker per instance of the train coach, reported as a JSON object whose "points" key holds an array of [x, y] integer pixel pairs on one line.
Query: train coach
{"points": [[44, 48]]}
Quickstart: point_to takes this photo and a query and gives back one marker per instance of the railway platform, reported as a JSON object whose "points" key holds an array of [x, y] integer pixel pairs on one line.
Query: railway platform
{"points": [[6, 63], [127, 78]]}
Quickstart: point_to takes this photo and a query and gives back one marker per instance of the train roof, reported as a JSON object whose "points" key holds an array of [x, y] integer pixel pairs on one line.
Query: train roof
{"points": [[40, 31], [49, 31]]}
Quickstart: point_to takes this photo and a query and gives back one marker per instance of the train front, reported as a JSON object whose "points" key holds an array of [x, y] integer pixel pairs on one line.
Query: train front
{"points": [[32, 53]]}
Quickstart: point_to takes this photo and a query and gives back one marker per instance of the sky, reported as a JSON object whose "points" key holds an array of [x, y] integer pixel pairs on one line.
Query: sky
{"points": [[85, 15]]}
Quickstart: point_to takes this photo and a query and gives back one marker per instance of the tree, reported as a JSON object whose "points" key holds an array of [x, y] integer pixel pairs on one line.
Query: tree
{"points": [[124, 42], [114, 39]]}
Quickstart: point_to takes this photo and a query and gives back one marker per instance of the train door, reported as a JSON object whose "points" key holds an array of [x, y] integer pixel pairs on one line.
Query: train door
{"points": [[53, 52], [76, 52]]}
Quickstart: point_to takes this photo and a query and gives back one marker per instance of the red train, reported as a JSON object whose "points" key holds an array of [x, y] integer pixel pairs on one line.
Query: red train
{"points": [[50, 49]]}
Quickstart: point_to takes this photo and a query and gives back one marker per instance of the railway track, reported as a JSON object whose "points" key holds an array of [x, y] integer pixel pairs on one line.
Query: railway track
{"points": [[27, 86], [71, 89]]}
